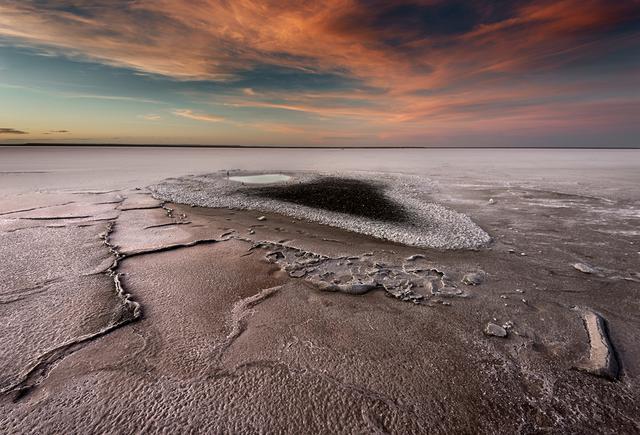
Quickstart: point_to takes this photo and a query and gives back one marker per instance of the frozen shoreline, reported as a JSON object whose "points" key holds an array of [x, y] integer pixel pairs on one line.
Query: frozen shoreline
{"points": [[429, 225]]}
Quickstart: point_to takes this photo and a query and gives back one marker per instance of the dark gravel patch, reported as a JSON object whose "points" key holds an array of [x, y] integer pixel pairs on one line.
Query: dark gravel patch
{"points": [[343, 195]]}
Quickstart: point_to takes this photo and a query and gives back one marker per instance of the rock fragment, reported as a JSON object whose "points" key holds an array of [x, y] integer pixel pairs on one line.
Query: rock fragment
{"points": [[415, 257], [359, 288], [299, 273], [262, 218], [584, 268], [275, 256], [602, 360], [445, 291], [494, 330], [473, 278]]}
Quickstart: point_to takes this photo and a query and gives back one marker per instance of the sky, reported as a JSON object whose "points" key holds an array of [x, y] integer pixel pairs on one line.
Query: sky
{"points": [[520, 73]]}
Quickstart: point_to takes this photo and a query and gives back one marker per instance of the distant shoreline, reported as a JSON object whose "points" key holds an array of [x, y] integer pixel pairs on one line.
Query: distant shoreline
{"points": [[118, 145]]}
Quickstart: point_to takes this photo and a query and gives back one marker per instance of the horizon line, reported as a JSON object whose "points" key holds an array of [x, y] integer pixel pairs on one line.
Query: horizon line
{"points": [[151, 145]]}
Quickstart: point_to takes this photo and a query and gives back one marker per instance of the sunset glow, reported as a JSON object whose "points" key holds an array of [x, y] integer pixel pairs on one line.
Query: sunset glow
{"points": [[332, 73]]}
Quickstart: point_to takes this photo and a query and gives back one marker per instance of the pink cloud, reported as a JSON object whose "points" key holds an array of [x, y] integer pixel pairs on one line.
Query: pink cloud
{"points": [[412, 79]]}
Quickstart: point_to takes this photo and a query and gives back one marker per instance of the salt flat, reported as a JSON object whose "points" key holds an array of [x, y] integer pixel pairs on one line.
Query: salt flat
{"points": [[122, 312]]}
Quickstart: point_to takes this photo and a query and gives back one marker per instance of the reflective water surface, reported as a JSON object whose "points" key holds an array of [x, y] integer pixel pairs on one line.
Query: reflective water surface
{"points": [[261, 178]]}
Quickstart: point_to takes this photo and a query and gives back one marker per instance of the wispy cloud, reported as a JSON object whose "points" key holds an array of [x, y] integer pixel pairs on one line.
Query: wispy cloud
{"points": [[113, 98], [150, 117], [420, 65], [190, 114], [57, 132], [425, 40], [5, 130]]}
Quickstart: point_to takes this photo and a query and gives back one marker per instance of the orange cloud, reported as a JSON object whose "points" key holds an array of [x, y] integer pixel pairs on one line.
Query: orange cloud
{"points": [[425, 64], [208, 39]]}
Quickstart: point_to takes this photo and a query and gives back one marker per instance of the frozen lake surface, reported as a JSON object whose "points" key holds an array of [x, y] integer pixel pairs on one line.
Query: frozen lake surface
{"points": [[120, 311], [24, 169]]}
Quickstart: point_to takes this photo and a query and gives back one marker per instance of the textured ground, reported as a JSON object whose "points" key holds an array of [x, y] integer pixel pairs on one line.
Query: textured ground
{"points": [[122, 314], [228, 341]]}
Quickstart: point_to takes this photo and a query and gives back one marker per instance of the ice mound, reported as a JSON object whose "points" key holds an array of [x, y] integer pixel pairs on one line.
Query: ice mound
{"points": [[393, 207]]}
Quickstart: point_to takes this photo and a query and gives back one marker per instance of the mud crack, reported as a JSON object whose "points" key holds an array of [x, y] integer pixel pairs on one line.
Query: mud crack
{"points": [[39, 371]]}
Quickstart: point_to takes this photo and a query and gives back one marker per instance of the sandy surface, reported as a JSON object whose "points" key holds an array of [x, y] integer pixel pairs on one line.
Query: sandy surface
{"points": [[214, 331]]}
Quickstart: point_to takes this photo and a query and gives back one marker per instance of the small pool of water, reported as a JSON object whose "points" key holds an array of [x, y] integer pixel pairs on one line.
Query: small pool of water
{"points": [[261, 179]]}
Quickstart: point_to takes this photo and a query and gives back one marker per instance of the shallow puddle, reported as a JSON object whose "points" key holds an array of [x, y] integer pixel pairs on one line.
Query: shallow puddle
{"points": [[261, 179]]}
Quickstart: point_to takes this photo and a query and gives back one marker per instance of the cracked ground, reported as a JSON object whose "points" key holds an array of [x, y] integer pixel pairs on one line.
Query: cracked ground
{"points": [[120, 313]]}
